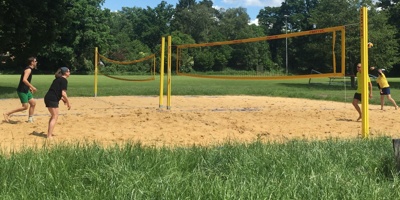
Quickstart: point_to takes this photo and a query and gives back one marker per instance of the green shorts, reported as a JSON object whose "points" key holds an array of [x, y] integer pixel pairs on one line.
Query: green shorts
{"points": [[25, 97]]}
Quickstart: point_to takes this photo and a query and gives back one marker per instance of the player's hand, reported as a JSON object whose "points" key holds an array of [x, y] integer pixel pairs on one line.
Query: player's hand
{"points": [[32, 89], [69, 106]]}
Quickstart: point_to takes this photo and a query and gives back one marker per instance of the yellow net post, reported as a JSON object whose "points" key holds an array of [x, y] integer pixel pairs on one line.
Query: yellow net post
{"points": [[96, 61], [364, 71], [333, 52], [343, 52], [169, 74], [162, 72], [154, 67]]}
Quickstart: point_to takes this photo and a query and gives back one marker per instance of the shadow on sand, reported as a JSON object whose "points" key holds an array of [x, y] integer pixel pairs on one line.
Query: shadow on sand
{"points": [[41, 134]]}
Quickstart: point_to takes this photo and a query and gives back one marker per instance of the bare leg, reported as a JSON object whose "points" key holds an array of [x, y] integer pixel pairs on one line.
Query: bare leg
{"points": [[357, 107], [32, 104], [382, 101], [52, 121], [7, 114], [393, 101], [6, 117]]}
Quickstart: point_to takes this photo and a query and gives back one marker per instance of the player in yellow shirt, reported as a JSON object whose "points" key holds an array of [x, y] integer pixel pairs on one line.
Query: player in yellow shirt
{"points": [[384, 88], [357, 95]]}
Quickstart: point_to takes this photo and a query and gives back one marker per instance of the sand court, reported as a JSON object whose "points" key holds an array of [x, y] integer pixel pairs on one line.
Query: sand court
{"points": [[192, 120]]}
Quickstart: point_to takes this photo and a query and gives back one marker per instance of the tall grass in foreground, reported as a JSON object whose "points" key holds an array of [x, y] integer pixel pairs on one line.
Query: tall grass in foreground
{"points": [[331, 169]]}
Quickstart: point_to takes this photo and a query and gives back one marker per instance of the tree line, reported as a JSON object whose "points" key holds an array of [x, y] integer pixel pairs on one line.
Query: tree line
{"points": [[65, 32]]}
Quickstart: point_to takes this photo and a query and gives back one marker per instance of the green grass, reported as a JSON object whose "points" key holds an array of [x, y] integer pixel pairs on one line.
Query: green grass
{"points": [[83, 85], [331, 169]]}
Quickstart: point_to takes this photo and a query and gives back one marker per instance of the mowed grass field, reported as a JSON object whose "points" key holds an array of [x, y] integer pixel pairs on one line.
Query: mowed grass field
{"points": [[83, 85], [331, 169]]}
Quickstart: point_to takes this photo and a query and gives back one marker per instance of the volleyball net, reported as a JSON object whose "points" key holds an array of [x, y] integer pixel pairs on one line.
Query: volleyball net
{"points": [[284, 56], [136, 70], [139, 70]]}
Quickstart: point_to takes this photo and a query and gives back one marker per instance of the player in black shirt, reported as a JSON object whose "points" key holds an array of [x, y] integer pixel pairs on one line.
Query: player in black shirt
{"points": [[57, 92]]}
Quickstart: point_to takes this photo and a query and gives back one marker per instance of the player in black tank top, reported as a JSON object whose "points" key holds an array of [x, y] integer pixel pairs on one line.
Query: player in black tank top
{"points": [[24, 91]]}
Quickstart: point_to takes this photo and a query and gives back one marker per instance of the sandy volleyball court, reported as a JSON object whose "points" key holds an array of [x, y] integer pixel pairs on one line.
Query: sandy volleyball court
{"points": [[200, 120]]}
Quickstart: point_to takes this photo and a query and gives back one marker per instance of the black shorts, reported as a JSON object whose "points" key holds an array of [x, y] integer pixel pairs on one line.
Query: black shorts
{"points": [[357, 96], [51, 104], [385, 91]]}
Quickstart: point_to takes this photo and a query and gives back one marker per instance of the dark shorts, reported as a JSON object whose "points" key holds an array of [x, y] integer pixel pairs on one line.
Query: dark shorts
{"points": [[385, 91], [357, 96], [51, 104]]}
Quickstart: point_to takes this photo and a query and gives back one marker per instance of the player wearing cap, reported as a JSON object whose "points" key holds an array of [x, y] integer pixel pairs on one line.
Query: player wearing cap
{"points": [[57, 92]]}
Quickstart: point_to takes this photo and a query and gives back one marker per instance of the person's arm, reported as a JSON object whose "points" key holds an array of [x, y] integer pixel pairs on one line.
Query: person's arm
{"points": [[28, 72], [379, 87], [370, 89], [64, 98]]}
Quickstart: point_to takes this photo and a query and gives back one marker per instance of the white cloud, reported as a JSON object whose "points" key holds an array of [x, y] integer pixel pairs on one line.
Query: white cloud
{"points": [[255, 21], [217, 7], [230, 1]]}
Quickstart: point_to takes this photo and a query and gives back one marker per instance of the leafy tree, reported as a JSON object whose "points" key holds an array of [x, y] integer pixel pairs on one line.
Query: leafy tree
{"points": [[64, 32], [85, 28], [392, 10], [307, 52], [345, 12], [29, 26], [222, 54], [187, 19], [146, 25], [126, 22], [234, 22], [156, 22], [185, 4], [203, 60], [384, 53], [272, 19], [186, 59], [253, 56], [291, 16]]}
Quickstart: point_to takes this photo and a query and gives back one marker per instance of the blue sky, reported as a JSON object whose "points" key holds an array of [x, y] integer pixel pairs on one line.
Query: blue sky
{"points": [[252, 6]]}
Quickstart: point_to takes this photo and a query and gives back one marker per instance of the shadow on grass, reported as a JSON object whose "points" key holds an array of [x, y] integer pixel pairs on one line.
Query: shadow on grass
{"points": [[7, 90], [318, 86], [388, 168]]}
